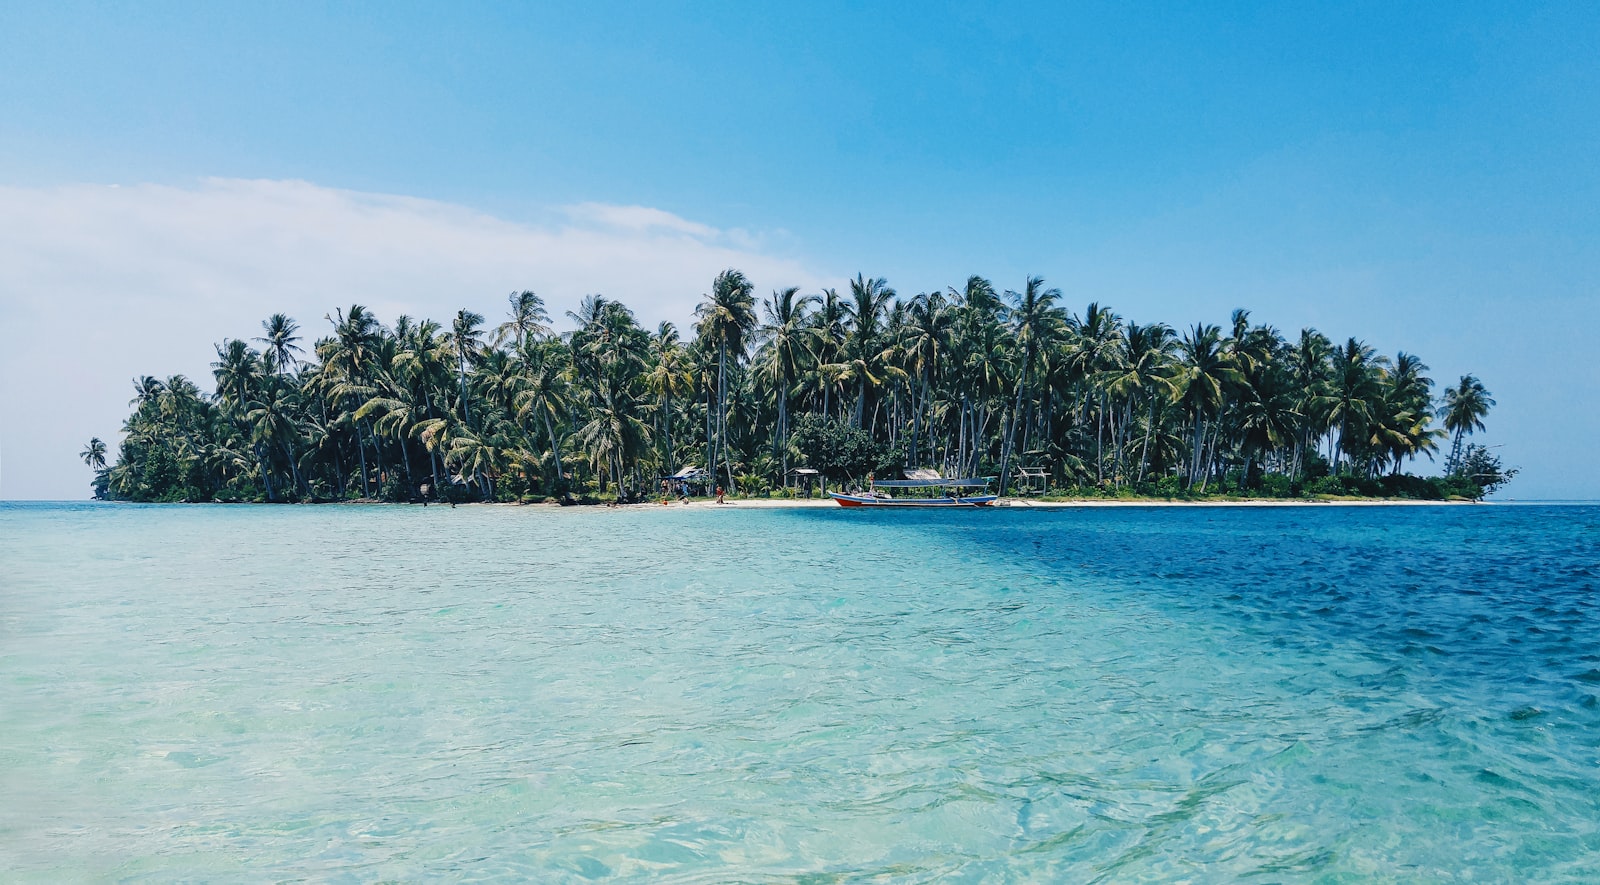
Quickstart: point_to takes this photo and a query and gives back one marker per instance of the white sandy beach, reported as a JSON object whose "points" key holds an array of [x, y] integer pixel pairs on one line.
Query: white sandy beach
{"points": [[781, 503]]}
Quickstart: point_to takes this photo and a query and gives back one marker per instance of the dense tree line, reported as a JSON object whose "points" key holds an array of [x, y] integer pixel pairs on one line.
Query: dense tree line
{"points": [[971, 381]]}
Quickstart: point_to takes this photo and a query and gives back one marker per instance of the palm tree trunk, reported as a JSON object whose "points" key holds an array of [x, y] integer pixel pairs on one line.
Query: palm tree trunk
{"points": [[405, 458], [266, 471], [1195, 451], [294, 467], [666, 429], [361, 449], [555, 453], [711, 451], [961, 434], [722, 408], [1144, 450], [466, 413], [781, 450], [916, 417], [1099, 441], [1005, 450], [377, 453]]}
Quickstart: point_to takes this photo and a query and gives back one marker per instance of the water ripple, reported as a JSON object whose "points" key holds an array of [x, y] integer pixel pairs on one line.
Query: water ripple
{"points": [[491, 694]]}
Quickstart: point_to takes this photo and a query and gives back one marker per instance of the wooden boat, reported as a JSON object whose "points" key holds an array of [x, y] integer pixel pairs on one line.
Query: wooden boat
{"points": [[946, 492]]}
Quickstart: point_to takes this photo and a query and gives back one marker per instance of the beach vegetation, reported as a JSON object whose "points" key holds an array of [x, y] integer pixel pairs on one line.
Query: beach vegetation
{"points": [[970, 381]]}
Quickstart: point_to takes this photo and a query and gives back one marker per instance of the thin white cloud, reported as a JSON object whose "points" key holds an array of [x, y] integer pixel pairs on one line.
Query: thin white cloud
{"points": [[99, 284], [641, 219]]}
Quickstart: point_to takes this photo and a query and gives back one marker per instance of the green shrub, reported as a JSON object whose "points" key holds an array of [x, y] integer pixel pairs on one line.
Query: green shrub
{"points": [[1325, 485], [1412, 487], [1276, 485], [1169, 487]]}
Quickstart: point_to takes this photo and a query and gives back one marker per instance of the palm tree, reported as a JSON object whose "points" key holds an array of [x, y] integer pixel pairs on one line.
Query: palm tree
{"points": [[727, 317], [1310, 364], [928, 334], [669, 377], [972, 377], [980, 352], [613, 437], [1464, 408], [545, 393], [787, 349], [1146, 369], [869, 300], [272, 421], [1265, 415], [1036, 323], [279, 352], [1202, 381], [348, 360], [94, 454], [1096, 354], [237, 371], [1397, 429], [481, 456], [828, 335], [467, 339], [1408, 410], [527, 317], [1354, 390], [147, 390]]}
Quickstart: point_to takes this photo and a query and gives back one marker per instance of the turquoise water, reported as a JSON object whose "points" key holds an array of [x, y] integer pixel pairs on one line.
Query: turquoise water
{"points": [[361, 693]]}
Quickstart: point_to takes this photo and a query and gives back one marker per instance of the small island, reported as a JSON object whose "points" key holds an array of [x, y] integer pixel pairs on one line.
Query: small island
{"points": [[835, 387]]}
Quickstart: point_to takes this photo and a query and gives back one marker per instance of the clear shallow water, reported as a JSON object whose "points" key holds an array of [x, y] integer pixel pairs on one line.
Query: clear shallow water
{"points": [[351, 693]]}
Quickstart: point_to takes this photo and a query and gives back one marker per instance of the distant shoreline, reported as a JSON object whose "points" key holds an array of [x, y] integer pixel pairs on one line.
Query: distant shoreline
{"points": [[1015, 503], [800, 503]]}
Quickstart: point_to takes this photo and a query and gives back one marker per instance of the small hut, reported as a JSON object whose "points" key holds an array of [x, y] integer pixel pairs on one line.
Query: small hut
{"points": [[690, 480], [1032, 480], [807, 475]]}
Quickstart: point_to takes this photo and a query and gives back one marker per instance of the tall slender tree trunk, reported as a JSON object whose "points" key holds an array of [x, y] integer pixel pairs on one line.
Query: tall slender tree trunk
{"points": [[361, 449], [1099, 442], [980, 437], [266, 471], [555, 452], [961, 435], [377, 454], [1144, 450], [711, 452], [466, 413], [1005, 449], [722, 410], [1196, 450], [294, 467], [405, 458], [916, 417], [666, 429], [781, 450]]}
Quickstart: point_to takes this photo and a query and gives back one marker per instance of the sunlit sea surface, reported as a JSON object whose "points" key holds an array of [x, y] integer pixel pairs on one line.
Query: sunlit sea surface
{"points": [[710, 695]]}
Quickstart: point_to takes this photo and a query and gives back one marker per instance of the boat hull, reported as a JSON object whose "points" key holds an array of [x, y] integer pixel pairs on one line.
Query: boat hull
{"points": [[870, 501]]}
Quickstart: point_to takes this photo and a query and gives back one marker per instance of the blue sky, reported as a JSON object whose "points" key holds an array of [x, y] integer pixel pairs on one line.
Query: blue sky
{"points": [[1419, 176]]}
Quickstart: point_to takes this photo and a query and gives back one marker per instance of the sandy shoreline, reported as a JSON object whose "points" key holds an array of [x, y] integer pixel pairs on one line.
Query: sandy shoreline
{"points": [[792, 503]]}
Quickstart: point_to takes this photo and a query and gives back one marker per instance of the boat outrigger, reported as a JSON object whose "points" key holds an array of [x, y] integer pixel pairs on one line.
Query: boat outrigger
{"points": [[946, 492]]}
